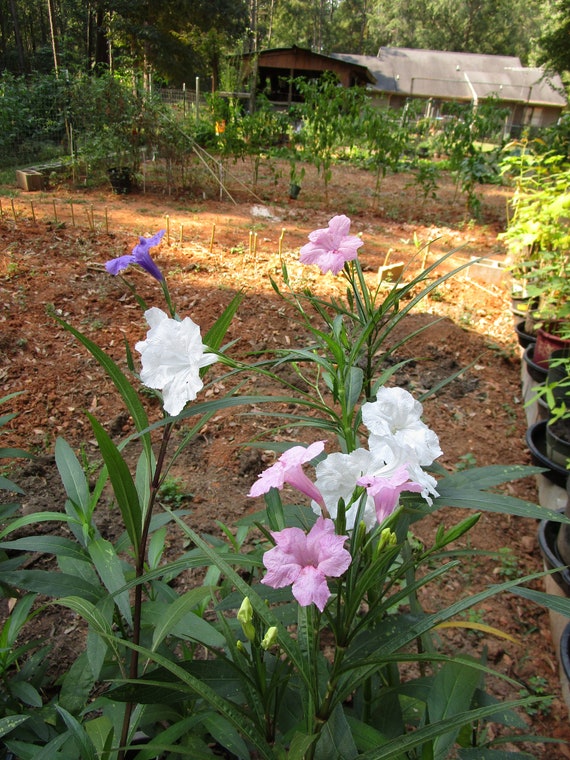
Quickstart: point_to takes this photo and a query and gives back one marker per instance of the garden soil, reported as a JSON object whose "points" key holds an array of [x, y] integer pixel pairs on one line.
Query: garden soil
{"points": [[53, 247]]}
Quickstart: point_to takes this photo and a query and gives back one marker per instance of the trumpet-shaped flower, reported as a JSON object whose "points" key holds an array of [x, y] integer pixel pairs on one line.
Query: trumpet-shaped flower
{"points": [[289, 469], [330, 248], [396, 413], [386, 490], [305, 560], [172, 356], [140, 255], [336, 479]]}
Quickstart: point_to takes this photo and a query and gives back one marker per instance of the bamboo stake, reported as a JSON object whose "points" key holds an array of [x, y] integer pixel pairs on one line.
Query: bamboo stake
{"points": [[92, 219], [106, 221], [1, 210], [212, 237], [181, 233], [72, 213], [13, 209], [167, 229], [33, 212], [54, 211], [281, 242]]}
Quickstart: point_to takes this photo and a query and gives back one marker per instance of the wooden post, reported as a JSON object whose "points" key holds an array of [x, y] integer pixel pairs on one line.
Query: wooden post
{"points": [[281, 242], [72, 213], [181, 233], [106, 221], [212, 237], [13, 209], [167, 229], [33, 212]]}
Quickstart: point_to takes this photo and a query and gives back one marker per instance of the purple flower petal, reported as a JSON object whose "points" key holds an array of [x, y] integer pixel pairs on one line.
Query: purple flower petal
{"points": [[140, 255], [332, 247]]}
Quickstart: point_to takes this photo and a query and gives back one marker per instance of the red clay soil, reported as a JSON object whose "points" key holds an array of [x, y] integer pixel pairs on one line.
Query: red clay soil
{"points": [[53, 248]]}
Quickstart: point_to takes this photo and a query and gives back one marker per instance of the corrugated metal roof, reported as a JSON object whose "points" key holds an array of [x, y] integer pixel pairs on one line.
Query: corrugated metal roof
{"points": [[457, 76]]}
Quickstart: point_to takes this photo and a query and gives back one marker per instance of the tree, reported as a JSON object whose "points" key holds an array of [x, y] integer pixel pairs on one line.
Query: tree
{"points": [[554, 44]]}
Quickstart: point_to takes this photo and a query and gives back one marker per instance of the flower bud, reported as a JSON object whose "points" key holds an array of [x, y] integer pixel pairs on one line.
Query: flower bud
{"points": [[245, 617], [270, 638], [387, 539]]}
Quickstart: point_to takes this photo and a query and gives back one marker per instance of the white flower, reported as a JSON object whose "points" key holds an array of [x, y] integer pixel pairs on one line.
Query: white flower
{"points": [[336, 479], [172, 356], [396, 414]]}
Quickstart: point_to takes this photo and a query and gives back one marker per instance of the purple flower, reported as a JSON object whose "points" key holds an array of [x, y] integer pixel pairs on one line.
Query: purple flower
{"points": [[141, 256], [289, 469], [305, 560], [330, 248], [386, 490]]}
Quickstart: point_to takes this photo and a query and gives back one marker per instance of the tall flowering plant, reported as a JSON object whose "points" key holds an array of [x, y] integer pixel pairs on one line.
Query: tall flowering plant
{"points": [[307, 638]]}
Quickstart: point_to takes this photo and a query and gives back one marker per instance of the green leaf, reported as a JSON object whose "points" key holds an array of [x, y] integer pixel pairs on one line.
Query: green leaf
{"points": [[226, 735], [72, 476], [8, 485], [76, 685], [26, 693], [52, 584], [47, 544], [110, 570], [454, 685], [335, 740], [86, 746], [122, 483], [122, 384], [300, 744], [180, 619], [11, 722], [215, 335]]}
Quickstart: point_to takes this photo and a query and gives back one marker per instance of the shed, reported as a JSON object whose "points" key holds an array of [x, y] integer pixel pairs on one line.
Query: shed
{"points": [[277, 68]]}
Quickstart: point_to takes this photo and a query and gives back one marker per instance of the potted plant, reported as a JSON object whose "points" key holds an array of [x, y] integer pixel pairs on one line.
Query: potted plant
{"points": [[295, 179]]}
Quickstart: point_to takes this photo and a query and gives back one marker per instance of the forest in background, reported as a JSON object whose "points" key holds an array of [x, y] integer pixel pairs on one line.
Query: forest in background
{"points": [[172, 41]]}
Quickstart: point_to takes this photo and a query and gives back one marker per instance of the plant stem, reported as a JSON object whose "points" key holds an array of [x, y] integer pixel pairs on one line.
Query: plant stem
{"points": [[139, 569]]}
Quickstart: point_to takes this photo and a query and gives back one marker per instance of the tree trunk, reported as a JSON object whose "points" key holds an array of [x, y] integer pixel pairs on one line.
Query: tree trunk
{"points": [[53, 34], [18, 36]]}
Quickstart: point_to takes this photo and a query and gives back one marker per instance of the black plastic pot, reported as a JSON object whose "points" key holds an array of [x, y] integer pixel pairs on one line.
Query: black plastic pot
{"points": [[537, 372], [294, 191], [558, 442], [547, 538], [536, 442], [525, 339]]}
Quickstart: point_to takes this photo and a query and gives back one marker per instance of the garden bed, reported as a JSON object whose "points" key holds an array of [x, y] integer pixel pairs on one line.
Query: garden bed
{"points": [[53, 255]]}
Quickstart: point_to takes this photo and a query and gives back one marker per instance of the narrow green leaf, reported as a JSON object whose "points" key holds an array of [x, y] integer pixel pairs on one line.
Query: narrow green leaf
{"points": [[52, 584], [86, 746], [122, 483], [110, 570], [182, 609], [11, 722], [72, 476], [26, 693]]}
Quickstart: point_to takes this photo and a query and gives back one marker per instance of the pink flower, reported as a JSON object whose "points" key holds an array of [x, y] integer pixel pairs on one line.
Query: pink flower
{"points": [[305, 560], [289, 469], [330, 248], [386, 490]]}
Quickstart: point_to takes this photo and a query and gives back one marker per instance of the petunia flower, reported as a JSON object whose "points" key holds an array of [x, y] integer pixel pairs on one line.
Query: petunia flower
{"points": [[330, 248], [140, 255], [396, 413], [172, 356], [289, 469], [304, 560], [386, 490]]}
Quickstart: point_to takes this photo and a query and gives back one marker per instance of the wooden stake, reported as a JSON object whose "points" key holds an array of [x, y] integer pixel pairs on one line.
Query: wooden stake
{"points": [[92, 219], [13, 209], [106, 221], [54, 211], [1, 210], [212, 237], [181, 233], [72, 213], [167, 229], [250, 242], [33, 212], [281, 242]]}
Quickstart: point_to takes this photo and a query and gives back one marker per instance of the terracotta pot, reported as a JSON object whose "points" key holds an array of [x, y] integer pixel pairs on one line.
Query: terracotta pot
{"points": [[546, 343]]}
